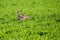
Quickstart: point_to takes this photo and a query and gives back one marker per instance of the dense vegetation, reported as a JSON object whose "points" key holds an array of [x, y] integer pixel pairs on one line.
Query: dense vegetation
{"points": [[44, 24]]}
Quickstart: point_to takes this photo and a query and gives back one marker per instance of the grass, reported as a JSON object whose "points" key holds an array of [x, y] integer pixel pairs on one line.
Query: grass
{"points": [[45, 24]]}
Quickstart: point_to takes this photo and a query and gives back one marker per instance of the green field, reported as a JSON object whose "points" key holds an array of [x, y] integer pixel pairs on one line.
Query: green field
{"points": [[44, 23]]}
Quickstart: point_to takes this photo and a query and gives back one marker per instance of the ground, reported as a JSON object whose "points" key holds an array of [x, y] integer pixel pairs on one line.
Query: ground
{"points": [[44, 23]]}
